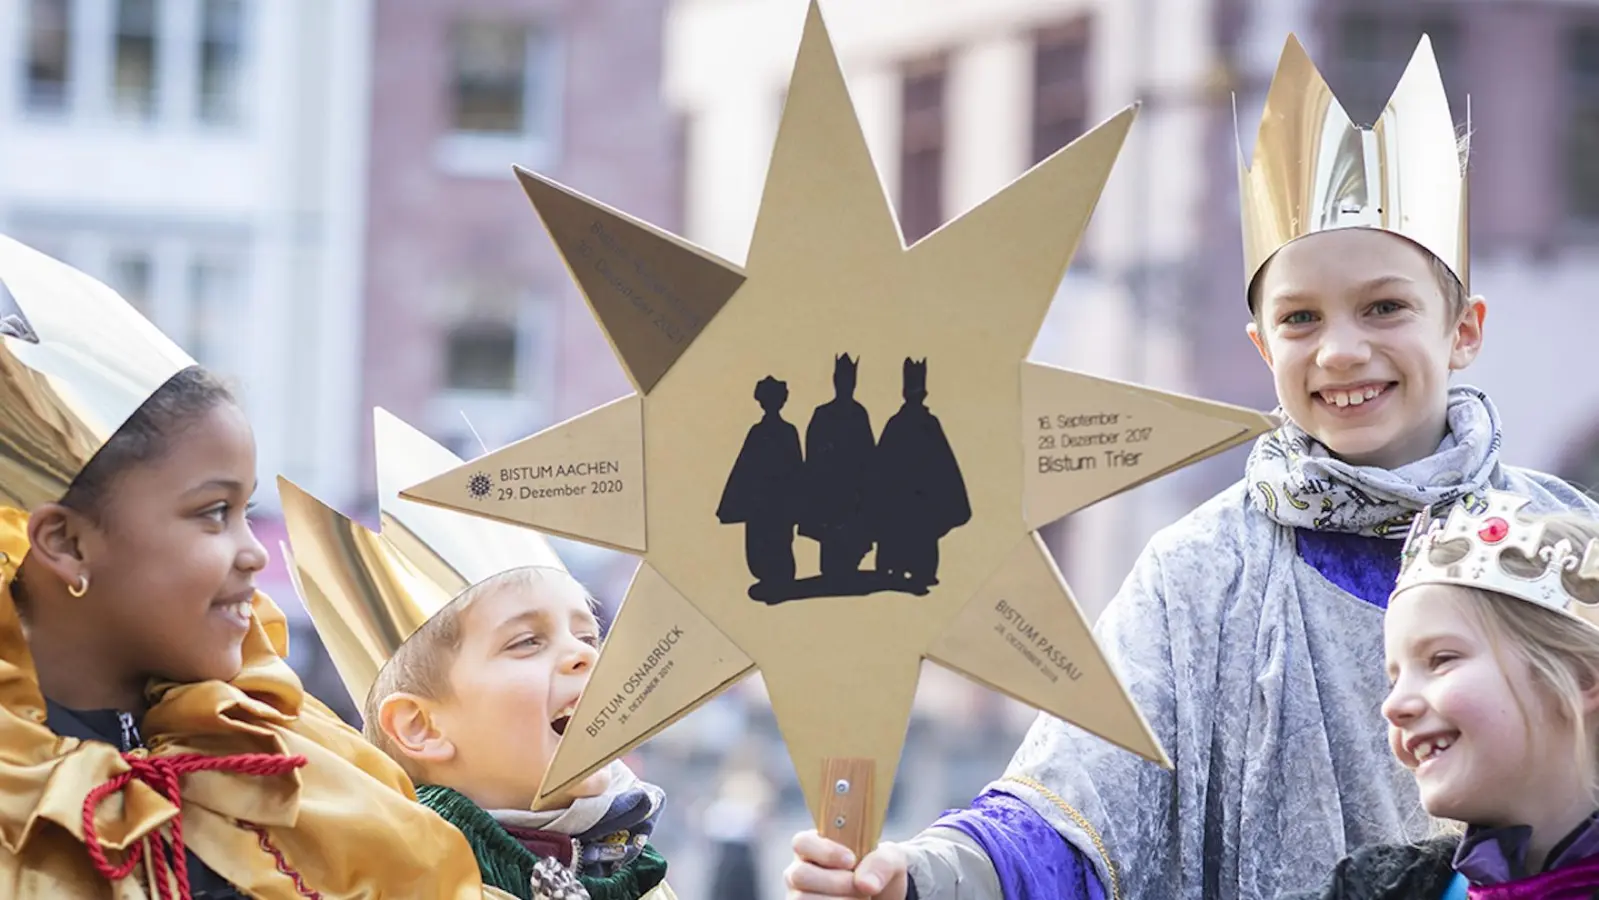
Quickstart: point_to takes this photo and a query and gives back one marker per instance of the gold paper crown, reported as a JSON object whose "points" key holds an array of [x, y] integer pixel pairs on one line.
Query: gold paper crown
{"points": [[1494, 527], [368, 592], [1314, 170], [94, 364]]}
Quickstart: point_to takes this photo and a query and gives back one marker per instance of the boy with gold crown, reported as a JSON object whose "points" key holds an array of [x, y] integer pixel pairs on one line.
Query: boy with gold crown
{"points": [[467, 643], [1249, 632], [153, 742], [1493, 649]]}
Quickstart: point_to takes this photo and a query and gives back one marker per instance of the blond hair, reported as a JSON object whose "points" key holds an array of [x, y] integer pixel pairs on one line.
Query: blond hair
{"points": [[1561, 651], [421, 666]]}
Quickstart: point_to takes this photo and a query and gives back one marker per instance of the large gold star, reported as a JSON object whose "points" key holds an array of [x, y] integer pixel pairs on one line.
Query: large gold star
{"points": [[677, 471]]}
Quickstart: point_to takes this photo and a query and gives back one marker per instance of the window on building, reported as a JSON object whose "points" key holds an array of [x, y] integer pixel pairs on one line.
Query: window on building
{"points": [[216, 307], [136, 47], [481, 356], [49, 67], [222, 32], [490, 90], [921, 172], [504, 99], [132, 276], [1582, 159], [1060, 86], [1374, 43]]}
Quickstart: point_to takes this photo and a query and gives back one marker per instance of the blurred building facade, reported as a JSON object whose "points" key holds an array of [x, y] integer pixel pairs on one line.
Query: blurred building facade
{"points": [[206, 159], [474, 330]]}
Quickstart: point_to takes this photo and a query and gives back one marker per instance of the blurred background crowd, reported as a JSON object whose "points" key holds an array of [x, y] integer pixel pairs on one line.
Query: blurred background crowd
{"points": [[315, 198]]}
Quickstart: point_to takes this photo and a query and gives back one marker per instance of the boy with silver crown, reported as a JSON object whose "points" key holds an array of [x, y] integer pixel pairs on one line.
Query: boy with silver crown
{"points": [[1493, 649], [1249, 632], [467, 643]]}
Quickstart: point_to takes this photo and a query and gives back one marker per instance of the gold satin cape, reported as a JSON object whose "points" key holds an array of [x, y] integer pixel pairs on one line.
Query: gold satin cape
{"points": [[347, 821]]}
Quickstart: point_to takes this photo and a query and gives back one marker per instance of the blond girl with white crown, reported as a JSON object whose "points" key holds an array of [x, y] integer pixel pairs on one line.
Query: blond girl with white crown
{"points": [[1492, 641]]}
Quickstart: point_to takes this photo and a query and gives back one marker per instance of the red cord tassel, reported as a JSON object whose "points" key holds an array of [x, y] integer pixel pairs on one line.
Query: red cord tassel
{"points": [[161, 775]]}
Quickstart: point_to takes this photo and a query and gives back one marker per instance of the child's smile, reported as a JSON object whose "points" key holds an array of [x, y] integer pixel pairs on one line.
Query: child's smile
{"points": [[1469, 722], [1354, 399], [525, 657], [173, 569], [234, 609], [1429, 748], [1361, 354]]}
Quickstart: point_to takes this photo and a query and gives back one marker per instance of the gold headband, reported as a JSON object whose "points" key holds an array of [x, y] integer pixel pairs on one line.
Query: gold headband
{"points": [[94, 364]]}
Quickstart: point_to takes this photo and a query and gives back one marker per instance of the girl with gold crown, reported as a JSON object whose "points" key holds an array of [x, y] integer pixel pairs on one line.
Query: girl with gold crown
{"points": [[153, 742], [1250, 632], [1493, 649]]}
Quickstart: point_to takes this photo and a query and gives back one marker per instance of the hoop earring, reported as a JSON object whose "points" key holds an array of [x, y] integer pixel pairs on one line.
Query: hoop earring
{"points": [[81, 588]]}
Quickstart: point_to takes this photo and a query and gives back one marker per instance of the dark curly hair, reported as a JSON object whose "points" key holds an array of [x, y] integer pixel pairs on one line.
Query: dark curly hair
{"points": [[146, 435]]}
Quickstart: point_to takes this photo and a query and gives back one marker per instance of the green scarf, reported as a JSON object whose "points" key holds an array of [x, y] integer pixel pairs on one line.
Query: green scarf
{"points": [[508, 865]]}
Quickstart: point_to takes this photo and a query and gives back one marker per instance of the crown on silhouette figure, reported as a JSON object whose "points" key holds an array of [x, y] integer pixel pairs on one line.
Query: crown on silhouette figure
{"points": [[915, 374], [1486, 531], [1314, 170], [90, 362], [842, 364]]}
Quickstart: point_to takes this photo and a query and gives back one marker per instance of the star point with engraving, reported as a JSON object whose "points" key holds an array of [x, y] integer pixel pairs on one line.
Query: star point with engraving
{"points": [[837, 457]]}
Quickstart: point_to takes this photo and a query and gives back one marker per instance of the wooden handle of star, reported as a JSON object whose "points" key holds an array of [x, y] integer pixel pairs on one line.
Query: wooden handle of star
{"points": [[847, 802]]}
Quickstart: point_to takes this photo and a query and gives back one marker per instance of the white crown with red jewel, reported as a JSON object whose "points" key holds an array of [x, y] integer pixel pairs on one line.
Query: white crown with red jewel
{"points": [[1491, 527]]}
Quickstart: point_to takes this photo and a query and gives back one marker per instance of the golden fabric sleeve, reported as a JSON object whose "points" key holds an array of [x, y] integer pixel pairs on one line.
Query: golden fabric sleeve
{"points": [[344, 826]]}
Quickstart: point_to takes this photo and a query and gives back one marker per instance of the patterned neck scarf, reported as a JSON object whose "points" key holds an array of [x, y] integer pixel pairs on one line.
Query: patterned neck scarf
{"points": [[1297, 482]]}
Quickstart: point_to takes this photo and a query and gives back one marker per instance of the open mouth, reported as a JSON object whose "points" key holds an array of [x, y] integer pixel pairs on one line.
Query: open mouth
{"points": [[1354, 395], [563, 719]]}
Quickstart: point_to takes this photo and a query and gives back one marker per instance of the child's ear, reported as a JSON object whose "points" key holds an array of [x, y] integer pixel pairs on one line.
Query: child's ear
{"points": [[410, 725], [1468, 334], [54, 532], [1255, 337]]}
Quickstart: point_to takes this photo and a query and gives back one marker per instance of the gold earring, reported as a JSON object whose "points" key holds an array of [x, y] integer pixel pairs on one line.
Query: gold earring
{"points": [[81, 588]]}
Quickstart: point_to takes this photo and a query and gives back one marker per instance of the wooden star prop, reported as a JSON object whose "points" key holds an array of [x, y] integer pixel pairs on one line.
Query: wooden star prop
{"points": [[837, 457]]}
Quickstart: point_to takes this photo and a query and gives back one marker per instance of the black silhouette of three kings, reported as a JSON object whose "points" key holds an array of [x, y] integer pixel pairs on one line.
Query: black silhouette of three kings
{"points": [[849, 491]]}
